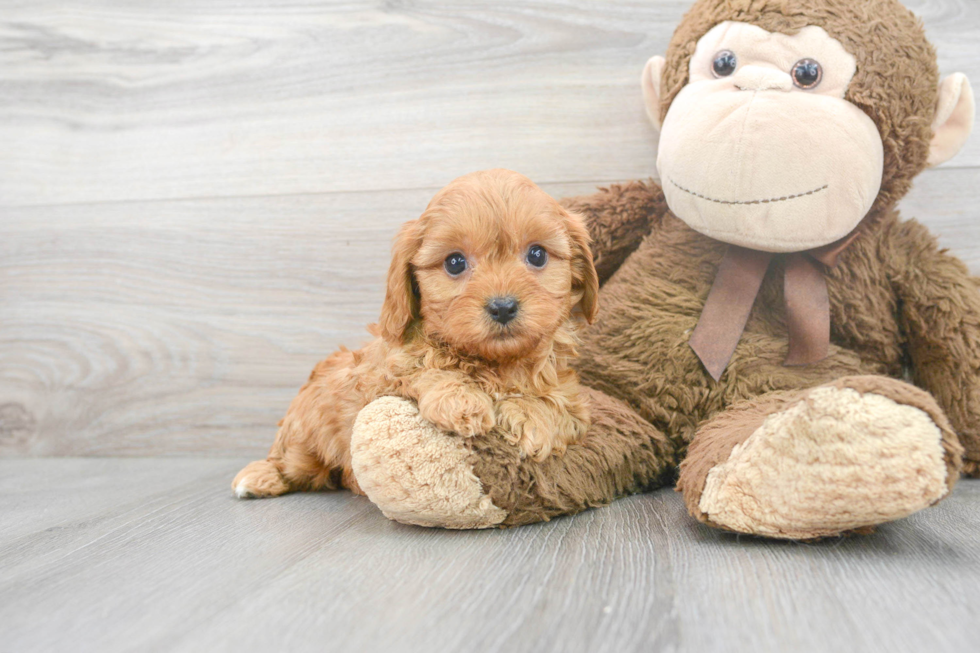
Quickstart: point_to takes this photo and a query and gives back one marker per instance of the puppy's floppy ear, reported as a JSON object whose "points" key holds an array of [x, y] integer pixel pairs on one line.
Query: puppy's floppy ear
{"points": [[585, 279], [401, 304]]}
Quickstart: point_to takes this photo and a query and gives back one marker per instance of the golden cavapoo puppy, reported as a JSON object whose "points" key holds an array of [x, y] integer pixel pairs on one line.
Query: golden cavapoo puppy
{"points": [[477, 326]]}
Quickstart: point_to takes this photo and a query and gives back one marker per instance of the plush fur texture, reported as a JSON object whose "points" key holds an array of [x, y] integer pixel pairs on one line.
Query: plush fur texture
{"points": [[469, 374], [873, 448], [897, 78], [419, 475], [897, 303], [838, 461], [901, 309], [738, 165], [416, 473]]}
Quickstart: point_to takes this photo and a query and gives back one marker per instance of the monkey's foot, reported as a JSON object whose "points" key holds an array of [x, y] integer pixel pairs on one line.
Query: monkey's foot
{"points": [[416, 473], [841, 457]]}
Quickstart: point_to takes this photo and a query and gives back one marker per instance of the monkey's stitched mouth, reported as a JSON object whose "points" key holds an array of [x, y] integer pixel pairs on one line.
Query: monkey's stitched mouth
{"points": [[769, 201]]}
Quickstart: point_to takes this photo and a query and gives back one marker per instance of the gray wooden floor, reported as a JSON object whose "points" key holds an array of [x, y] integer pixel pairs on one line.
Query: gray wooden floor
{"points": [[149, 554], [196, 202]]}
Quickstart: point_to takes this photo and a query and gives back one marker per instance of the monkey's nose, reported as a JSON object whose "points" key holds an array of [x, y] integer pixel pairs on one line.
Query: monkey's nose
{"points": [[759, 78], [502, 309]]}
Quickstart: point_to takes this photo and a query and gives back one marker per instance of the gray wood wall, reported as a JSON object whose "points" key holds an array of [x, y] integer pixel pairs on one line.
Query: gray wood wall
{"points": [[197, 196]]}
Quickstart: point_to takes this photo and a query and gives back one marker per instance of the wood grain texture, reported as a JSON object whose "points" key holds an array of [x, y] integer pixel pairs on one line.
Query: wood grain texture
{"points": [[110, 101], [176, 327], [157, 555], [196, 198]]}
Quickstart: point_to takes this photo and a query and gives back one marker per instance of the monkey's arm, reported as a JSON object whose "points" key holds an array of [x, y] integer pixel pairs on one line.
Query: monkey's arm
{"points": [[940, 306], [618, 217]]}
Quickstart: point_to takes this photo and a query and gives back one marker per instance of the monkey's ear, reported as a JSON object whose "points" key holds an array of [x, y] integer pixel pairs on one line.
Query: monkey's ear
{"points": [[651, 81], [401, 303], [954, 119]]}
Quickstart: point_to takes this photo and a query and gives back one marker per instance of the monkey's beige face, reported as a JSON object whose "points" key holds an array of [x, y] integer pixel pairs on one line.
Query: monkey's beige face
{"points": [[761, 149], [495, 269]]}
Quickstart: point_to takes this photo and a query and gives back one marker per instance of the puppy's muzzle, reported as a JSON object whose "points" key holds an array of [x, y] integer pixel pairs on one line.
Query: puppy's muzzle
{"points": [[503, 309]]}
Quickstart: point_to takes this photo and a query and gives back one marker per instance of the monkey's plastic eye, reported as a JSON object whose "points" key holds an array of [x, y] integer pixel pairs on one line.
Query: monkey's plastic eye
{"points": [[724, 64], [807, 73], [537, 256], [455, 264]]}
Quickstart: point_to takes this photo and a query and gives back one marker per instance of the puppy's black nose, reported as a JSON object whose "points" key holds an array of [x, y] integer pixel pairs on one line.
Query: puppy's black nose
{"points": [[502, 309]]}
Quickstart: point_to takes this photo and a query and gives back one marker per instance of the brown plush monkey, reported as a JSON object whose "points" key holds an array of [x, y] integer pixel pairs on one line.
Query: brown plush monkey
{"points": [[764, 309]]}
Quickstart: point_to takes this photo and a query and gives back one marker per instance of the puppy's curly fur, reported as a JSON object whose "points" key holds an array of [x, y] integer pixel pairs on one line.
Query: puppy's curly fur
{"points": [[439, 344]]}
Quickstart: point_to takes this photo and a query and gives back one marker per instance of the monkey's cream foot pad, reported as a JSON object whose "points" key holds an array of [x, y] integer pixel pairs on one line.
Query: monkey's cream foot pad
{"points": [[838, 460], [416, 473]]}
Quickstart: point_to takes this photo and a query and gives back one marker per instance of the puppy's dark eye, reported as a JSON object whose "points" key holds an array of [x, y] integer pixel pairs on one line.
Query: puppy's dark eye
{"points": [[455, 264], [724, 64], [537, 256], [807, 73]]}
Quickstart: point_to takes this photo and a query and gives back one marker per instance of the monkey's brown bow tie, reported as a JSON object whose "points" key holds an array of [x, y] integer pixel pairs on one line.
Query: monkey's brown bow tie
{"points": [[733, 293]]}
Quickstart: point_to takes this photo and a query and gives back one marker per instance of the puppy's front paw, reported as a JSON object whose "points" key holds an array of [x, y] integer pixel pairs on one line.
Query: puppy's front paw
{"points": [[538, 427], [463, 411], [528, 425]]}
